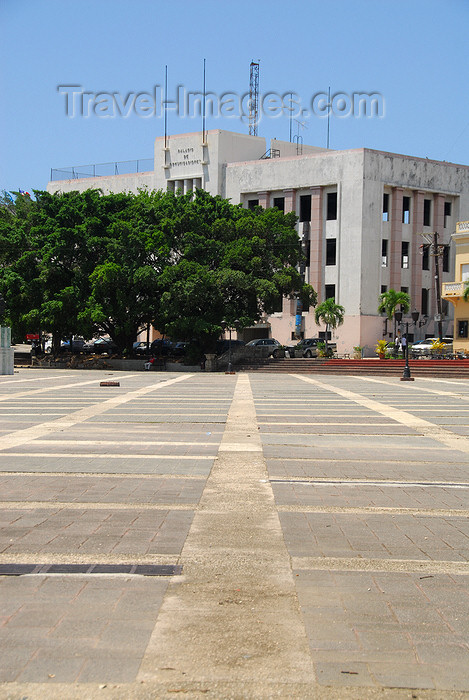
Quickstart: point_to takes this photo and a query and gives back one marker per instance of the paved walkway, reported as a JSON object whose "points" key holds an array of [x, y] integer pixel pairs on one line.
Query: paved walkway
{"points": [[322, 527]]}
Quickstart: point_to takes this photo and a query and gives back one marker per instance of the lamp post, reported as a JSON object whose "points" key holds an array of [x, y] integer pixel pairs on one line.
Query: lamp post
{"points": [[227, 325], [415, 317]]}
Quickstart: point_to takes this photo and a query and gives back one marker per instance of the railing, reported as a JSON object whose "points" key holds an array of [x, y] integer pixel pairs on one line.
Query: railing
{"points": [[454, 289], [123, 167]]}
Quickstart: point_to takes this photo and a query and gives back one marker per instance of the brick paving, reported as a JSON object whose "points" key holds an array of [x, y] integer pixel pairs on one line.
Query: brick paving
{"points": [[374, 512]]}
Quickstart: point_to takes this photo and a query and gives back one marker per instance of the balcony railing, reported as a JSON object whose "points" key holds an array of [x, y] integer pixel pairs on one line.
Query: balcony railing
{"points": [[453, 289]]}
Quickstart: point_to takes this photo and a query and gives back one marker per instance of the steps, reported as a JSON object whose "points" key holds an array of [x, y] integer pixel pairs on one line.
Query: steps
{"points": [[458, 369]]}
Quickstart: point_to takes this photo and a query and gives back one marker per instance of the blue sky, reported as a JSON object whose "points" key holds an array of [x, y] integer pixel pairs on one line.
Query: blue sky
{"points": [[413, 53]]}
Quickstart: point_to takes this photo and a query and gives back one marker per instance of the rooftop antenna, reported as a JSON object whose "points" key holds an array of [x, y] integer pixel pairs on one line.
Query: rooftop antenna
{"points": [[291, 116], [166, 107], [299, 139], [253, 98], [203, 110], [328, 115]]}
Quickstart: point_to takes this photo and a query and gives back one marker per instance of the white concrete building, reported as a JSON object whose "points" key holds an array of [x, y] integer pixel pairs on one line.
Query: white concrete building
{"points": [[360, 215]]}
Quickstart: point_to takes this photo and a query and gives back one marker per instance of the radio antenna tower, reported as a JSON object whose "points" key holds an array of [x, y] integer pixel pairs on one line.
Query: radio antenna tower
{"points": [[253, 98]]}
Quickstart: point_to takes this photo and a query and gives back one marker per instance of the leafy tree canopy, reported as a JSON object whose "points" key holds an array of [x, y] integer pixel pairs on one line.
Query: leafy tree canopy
{"points": [[83, 263]]}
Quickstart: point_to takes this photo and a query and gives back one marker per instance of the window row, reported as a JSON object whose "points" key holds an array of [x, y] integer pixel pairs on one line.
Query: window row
{"points": [[406, 201], [304, 213], [425, 250]]}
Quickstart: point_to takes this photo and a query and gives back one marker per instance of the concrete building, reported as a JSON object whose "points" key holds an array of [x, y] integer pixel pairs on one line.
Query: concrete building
{"points": [[360, 215]]}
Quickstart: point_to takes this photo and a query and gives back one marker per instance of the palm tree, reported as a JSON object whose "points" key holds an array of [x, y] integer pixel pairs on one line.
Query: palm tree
{"points": [[329, 313], [390, 300], [465, 294]]}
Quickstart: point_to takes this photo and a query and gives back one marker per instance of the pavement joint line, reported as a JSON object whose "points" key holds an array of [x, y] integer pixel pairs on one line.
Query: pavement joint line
{"points": [[348, 460], [235, 543], [102, 475], [425, 428], [160, 443], [388, 565], [314, 481], [86, 505], [73, 385], [34, 379], [104, 455], [375, 510], [24, 435], [83, 558]]}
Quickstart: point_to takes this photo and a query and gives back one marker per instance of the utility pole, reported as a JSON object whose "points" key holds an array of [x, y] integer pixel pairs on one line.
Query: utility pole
{"points": [[438, 285]]}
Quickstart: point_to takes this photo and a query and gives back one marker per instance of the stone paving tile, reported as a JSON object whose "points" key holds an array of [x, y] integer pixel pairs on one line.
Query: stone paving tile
{"points": [[136, 466], [338, 429], [336, 451], [94, 532], [395, 470], [354, 622], [77, 629], [375, 536], [361, 495]]}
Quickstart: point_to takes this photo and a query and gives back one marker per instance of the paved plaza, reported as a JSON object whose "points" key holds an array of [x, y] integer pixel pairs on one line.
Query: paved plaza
{"points": [[302, 537]]}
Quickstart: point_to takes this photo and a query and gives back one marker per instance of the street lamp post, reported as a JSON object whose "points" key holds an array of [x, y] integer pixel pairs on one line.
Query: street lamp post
{"points": [[227, 325], [415, 317]]}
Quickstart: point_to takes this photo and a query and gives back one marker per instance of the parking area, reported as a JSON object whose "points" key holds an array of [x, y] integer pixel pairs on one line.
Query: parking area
{"points": [[312, 535]]}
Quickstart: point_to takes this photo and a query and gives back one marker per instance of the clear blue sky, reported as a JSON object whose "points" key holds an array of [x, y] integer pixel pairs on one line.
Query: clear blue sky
{"points": [[414, 53]]}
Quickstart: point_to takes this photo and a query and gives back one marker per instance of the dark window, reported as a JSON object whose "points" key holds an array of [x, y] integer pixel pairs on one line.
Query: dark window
{"points": [[427, 212], [384, 252], [405, 290], [446, 258], [331, 206], [447, 212], [306, 250], [279, 202], [385, 206], [384, 288], [425, 256], [405, 255], [406, 210], [305, 207], [278, 304], [331, 249], [330, 291], [462, 329], [424, 309], [253, 203]]}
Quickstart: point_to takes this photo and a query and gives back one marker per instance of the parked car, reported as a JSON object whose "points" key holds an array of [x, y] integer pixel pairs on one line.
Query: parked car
{"points": [[161, 347], [223, 345], [100, 346], [77, 344], [308, 347], [179, 348], [266, 347], [423, 348], [140, 347]]}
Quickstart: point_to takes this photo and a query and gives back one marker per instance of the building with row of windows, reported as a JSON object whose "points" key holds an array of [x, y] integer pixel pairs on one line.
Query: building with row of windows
{"points": [[361, 214]]}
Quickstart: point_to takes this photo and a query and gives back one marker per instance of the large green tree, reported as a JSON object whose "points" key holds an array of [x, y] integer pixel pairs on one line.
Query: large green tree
{"points": [[84, 263], [229, 264]]}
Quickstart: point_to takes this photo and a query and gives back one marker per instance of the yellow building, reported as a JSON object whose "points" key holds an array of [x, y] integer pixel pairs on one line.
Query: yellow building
{"points": [[453, 291]]}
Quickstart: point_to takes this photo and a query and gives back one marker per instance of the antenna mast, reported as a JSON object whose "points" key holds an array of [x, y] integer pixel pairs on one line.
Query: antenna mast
{"points": [[253, 98]]}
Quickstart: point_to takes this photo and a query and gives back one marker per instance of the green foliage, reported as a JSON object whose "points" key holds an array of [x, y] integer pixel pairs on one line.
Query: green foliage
{"points": [[329, 313], [390, 300], [84, 263]]}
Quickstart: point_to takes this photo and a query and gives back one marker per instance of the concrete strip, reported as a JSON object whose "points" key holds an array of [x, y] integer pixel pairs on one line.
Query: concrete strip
{"points": [[84, 558], [47, 389], [20, 437], [325, 481], [235, 616], [87, 505], [103, 475], [376, 510], [151, 443], [391, 565], [425, 428], [103, 455]]}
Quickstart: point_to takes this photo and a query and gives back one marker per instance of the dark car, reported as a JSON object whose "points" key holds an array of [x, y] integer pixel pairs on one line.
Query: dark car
{"points": [[140, 348], [179, 349], [161, 347], [224, 344], [78, 344], [308, 347]]}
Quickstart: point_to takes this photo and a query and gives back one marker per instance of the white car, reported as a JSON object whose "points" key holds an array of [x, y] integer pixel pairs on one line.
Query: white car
{"points": [[423, 348]]}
